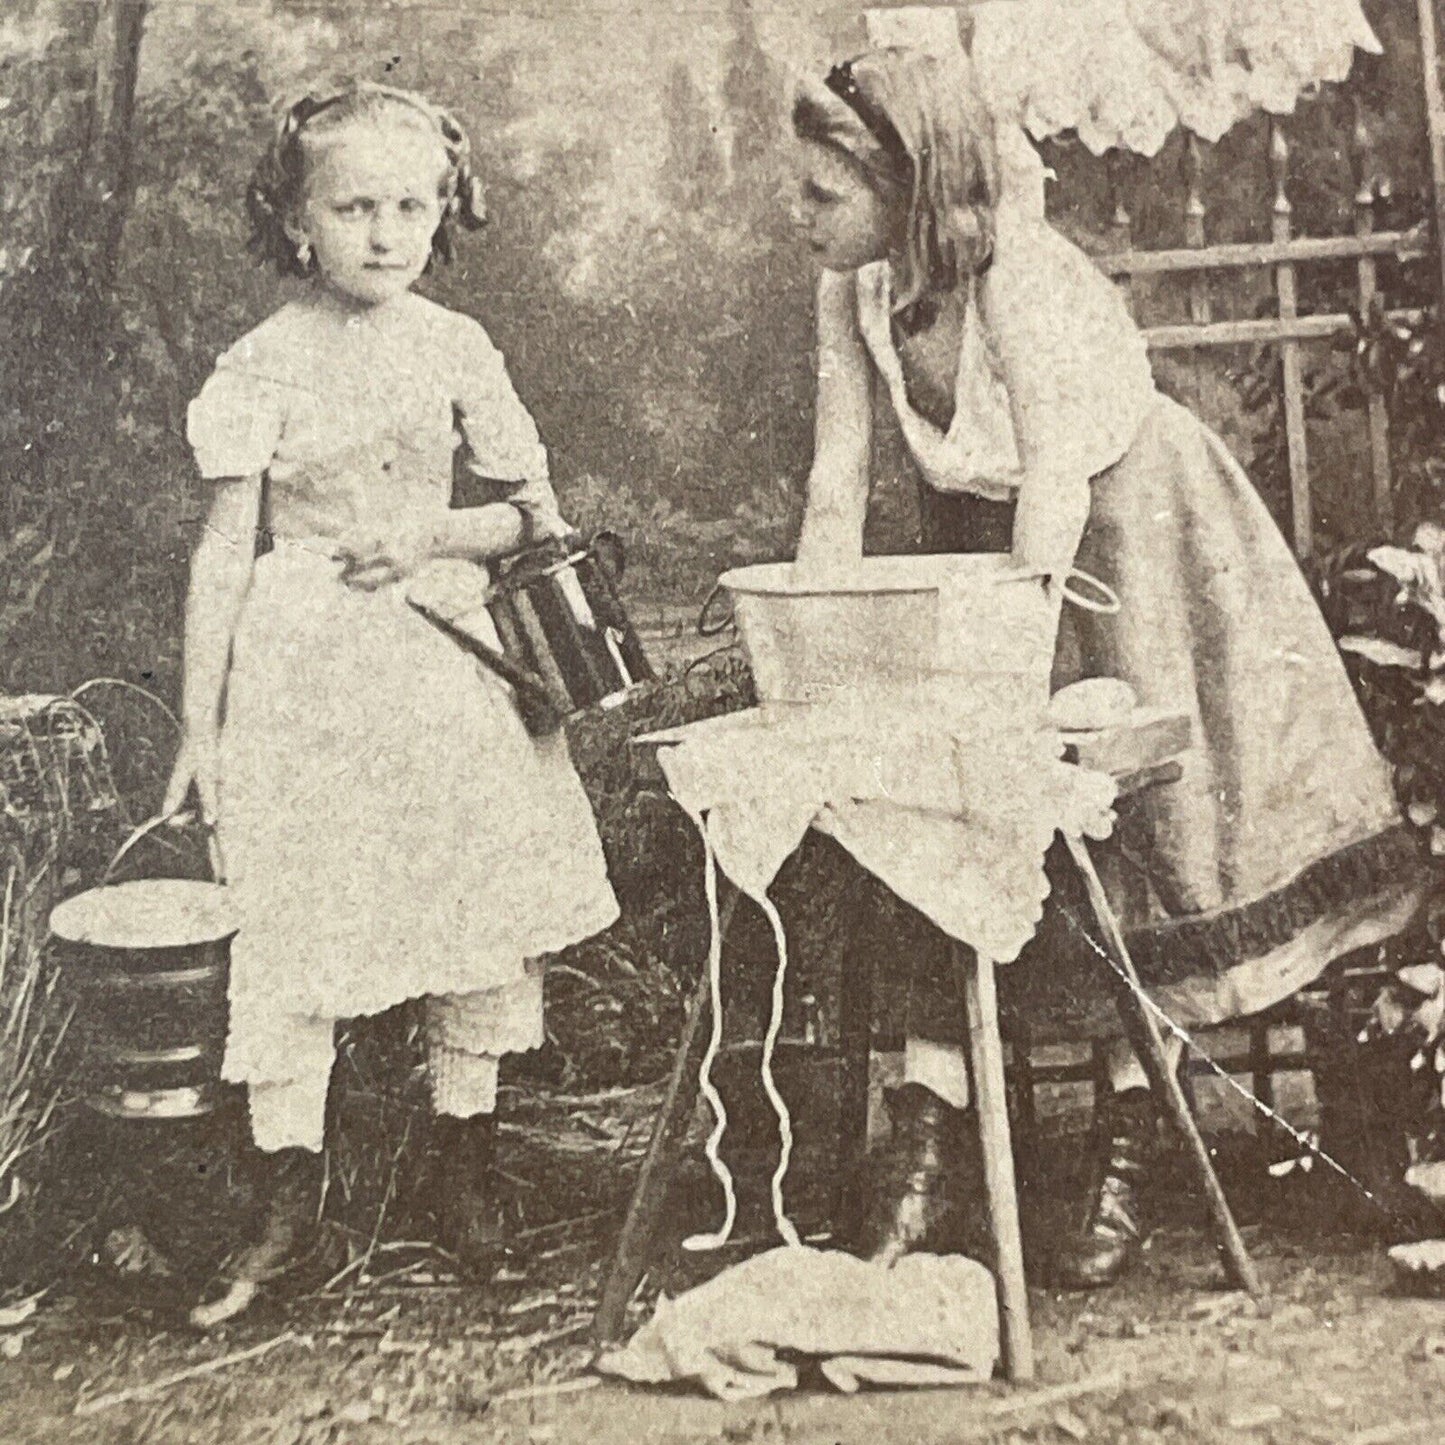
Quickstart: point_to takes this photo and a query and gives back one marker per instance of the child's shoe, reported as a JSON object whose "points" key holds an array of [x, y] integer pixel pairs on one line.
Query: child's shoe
{"points": [[1112, 1233], [920, 1200], [471, 1217], [291, 1218]]}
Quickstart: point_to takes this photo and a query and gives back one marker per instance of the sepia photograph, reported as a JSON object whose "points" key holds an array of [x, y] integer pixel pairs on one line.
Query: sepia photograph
{"points": [[722, 721]]}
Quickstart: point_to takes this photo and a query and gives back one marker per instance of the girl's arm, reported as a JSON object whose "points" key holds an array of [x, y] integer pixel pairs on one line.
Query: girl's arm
{"points": [[1053, 506], [478, 534], [837, 502], [221, 570], [1055, 481], [472, 534]]}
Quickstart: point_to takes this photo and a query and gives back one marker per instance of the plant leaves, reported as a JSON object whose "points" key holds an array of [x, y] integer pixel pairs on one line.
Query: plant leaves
{"points": [[19, 1312], [1382, 653]]}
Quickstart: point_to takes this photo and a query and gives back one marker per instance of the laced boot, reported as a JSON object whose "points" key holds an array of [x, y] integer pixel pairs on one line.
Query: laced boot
{"points": [[1112, 1233], [293, 1184], [471, 1217], [917, 1203]]}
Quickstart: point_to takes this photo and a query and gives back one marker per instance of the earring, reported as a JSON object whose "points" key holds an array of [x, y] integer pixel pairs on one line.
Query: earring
{"points": [[303, 253]]}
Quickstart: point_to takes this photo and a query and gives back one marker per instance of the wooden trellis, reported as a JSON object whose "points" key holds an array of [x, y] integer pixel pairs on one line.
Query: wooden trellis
{"points": [[1283, 254]]}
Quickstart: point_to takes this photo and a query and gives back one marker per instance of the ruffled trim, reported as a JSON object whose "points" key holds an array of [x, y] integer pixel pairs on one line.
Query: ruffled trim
{"points": [[1211, 945], [1125, 73]]}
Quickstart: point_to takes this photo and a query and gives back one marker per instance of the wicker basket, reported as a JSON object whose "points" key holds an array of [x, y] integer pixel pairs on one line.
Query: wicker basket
{"points": [[50, 752]]}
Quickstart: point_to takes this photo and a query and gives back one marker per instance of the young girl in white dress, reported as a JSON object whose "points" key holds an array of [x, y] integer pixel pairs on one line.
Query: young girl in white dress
{"points": [[390, 830]]}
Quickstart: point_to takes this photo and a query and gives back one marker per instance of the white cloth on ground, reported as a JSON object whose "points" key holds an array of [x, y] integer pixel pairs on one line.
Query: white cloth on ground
{"points": [[927, 1320]]}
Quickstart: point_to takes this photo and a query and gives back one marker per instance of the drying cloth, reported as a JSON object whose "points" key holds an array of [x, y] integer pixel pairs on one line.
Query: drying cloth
{"points": [[951, 801], [927, 1320], [943, 790]]}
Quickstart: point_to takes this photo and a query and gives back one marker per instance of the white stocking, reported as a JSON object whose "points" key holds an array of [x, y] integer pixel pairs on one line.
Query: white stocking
{"points": [[1126, 1070], [943, 1068]]}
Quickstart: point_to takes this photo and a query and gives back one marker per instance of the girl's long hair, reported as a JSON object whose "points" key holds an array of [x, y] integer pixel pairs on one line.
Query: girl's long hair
{"points": [[916, 125], [278, 185]]}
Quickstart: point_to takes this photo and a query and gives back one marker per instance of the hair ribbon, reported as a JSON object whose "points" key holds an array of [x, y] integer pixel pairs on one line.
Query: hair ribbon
{"points": [[844, 84]]}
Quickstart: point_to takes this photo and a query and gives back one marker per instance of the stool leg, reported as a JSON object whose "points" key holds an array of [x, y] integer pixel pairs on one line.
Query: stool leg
{"points": [[976, 975], [855, 1043], [1099, 1074], [1021, 1061], [1185, 1075], [649, 1194], [1261, 1063]]}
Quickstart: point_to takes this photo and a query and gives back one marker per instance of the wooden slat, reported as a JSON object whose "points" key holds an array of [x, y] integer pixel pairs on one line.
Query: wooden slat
{"points": [[1404, 245], [1121, 168], [1191, 169], [1236, 1065], [1194, 214], [1376, 417], [1262, 332], [1434, 121], [1293, 375]]}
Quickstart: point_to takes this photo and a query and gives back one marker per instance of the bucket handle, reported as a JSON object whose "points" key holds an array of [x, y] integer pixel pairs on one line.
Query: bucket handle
{"points": [[143, 831], [1105, 600], [709, 625]]}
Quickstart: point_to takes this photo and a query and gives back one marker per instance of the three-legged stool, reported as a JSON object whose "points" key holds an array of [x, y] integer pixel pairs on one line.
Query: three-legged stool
{"points": [[1142, 754]]}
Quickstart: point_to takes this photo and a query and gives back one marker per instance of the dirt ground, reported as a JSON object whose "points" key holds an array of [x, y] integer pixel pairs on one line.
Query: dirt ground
{"points": [[398, 1351], [1171, 1357]]}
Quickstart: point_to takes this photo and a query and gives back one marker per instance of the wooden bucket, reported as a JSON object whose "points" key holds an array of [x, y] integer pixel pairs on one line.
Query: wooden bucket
{"points": [[150, 965]]}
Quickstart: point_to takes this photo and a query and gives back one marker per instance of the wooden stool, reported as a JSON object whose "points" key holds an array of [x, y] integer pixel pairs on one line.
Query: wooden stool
{"points": [[1144, 754]]}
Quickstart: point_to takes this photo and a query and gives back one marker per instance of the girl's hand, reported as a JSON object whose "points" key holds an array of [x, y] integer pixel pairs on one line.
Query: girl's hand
{"points": [[197, 766], [370, 561], [827, 547]]}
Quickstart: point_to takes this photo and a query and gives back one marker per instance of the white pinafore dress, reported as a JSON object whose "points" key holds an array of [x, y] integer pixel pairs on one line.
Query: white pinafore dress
{"points": [[389, 827]]}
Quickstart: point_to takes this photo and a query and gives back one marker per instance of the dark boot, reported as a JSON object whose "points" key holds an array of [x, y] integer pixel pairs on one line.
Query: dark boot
{"points": [[1112, 1232], [471, 1218], [918, 1202], [292, 1183]]}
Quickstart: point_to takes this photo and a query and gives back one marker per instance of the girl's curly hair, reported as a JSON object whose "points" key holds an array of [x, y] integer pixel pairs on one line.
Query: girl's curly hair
{"points": [[278, 183]]}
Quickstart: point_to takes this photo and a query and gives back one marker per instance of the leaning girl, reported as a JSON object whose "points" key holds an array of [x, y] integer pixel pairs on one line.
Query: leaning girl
{"points": [[389, 828], [1024, 394]]}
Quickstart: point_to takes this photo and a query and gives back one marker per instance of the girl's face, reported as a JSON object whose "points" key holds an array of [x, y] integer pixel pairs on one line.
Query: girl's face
{"points": [[371, 207], [846, 221]]}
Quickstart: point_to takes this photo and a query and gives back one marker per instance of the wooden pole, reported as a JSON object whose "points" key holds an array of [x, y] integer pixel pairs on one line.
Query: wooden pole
{"points": [[120, 27], [976, 976], [1291, 363], [649, 1194], [1164, 1081], [1435, 124], [1367, 181]]}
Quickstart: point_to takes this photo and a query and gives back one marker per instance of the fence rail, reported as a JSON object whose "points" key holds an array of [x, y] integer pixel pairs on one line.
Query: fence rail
{"points": [[1283, 254]]}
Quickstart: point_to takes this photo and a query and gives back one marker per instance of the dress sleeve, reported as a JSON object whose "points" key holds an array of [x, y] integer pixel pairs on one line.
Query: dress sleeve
{"points": [[503, 448], [1074, 365], [235, 423]]}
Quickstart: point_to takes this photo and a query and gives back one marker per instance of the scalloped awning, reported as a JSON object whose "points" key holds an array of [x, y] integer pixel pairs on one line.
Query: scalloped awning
{"points": [[1125, 73]]}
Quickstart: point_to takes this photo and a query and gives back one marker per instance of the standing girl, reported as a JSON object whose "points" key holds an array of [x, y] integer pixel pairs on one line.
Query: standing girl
{"points": [[1025, 397], [390, 830]]}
